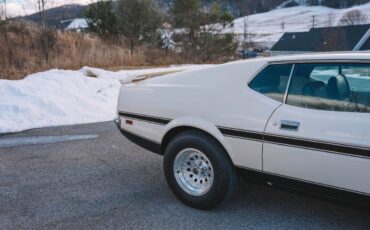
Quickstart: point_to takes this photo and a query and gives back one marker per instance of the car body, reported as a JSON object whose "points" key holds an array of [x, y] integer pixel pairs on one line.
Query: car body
{"points": [[299, 121]]}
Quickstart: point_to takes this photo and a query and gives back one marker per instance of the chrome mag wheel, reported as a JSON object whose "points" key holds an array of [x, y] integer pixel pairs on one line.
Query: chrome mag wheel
{"points": [[193, 172]]}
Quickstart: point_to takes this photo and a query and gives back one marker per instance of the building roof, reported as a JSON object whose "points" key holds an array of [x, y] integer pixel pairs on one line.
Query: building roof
{"points": [[64, 24], [74, 24], [342, 38]]}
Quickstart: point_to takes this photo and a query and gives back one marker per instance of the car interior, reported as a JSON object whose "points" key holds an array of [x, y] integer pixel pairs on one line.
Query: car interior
{"points": [[317, 86], [272, 81], [332, 91]]}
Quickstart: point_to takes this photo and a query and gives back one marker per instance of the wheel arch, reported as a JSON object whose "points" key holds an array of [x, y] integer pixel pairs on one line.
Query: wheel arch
{"points": [[207, 128]]}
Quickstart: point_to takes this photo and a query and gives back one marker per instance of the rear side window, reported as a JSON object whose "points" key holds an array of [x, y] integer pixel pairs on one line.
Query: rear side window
{"points": [[272, 81], [333, 87]]}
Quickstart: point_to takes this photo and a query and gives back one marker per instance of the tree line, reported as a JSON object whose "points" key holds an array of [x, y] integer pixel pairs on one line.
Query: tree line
{"points": [[186, 27], [190, 30], [240, 8]]}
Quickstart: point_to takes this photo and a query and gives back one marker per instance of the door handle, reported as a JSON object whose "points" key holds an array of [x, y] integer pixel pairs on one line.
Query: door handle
{"points": [[289, 125]]}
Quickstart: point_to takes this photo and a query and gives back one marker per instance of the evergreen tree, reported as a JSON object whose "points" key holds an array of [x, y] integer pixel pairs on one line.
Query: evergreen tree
{"points": [[138, 21], [200, 36], [102, 19], [186, 14]]}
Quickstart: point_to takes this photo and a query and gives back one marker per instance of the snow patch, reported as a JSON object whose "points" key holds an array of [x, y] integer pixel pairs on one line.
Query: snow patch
{"points": [[267, 28], [37, 140]]}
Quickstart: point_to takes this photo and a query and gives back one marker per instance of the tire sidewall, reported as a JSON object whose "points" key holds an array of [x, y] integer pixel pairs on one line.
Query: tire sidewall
{"points": [[219, 160]]}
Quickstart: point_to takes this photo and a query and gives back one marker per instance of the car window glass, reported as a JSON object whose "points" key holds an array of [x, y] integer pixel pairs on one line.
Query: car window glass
{"points": [[358, 77], [334, 87], [272, 81], [324, 72]]}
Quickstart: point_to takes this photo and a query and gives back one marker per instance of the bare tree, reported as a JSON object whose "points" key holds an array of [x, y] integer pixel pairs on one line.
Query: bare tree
{"points": [[4, 28], [353, 17], [3, 9], [41, 4], [331, 19], [245, 34]]}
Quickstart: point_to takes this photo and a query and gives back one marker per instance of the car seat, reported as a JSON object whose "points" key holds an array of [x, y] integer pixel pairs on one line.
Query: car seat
{"points": [[338, 88]]}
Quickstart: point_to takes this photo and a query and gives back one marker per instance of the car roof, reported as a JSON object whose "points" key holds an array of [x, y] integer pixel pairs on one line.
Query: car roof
{"points": [[332, 56]]}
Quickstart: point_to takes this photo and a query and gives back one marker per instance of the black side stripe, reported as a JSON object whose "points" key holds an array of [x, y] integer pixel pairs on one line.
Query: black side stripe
{"points": [[241, 134], [322, 146], [276, 139], [156, 120], [299, 143]]}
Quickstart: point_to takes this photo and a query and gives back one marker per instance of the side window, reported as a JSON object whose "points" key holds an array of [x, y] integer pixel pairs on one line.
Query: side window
{"points": [[333, 87], [272, 81]]}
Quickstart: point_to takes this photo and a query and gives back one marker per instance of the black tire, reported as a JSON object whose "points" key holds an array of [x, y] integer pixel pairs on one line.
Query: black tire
{"points": [[225, 177]]}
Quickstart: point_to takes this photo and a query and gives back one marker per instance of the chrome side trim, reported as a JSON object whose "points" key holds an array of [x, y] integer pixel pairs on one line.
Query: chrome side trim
{"points": [[288, 85], [319, 61]]}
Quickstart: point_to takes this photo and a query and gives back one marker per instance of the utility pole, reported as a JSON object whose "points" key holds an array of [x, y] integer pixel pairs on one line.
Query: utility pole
{"points": [[331, 20], [245, 36], [313, 21]]}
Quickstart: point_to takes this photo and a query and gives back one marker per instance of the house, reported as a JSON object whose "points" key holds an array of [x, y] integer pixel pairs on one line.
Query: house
{"points": [[77, 25], [325, 39]]}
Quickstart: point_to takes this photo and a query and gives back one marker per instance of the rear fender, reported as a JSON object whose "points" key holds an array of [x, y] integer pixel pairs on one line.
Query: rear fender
{"points": [[197, 123]]}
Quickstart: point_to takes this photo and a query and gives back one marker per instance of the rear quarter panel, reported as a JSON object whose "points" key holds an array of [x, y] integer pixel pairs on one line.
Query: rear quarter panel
{"points": [[204, 99]]}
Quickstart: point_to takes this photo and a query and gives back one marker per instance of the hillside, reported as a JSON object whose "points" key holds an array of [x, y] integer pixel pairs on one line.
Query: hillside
{"points": [[263, 28], [244, 7], [57, 14], [267, 28], [237, 8]]}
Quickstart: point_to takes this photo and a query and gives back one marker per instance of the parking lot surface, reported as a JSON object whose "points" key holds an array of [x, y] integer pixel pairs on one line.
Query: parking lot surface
{"points": [[91, 177]]}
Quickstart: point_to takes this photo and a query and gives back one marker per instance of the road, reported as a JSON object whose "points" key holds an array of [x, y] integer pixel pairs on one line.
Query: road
{"points": [[91, 177]]}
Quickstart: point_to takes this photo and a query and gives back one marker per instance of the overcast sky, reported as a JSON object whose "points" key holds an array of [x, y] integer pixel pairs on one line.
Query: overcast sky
{"points": [[23, 7]]}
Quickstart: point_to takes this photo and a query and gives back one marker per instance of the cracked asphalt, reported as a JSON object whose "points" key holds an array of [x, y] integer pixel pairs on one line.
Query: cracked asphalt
{"points": [[106, 182]]}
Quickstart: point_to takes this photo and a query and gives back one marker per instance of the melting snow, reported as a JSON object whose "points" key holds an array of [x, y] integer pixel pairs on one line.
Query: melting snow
{"points": [[36, 140], [65, 97]]}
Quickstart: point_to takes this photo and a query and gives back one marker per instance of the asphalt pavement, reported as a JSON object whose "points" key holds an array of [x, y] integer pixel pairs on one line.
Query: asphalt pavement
{"points": [[91, 177]]}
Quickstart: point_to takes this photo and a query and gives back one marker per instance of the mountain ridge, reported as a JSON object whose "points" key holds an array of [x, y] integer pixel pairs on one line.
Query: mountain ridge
{"points": [[238, 8]]}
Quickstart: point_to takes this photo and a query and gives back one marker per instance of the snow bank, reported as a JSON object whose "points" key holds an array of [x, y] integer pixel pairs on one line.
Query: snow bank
{"points": [[63, 97], [55, 97]]}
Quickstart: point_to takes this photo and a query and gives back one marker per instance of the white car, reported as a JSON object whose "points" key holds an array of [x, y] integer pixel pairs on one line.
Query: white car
{"points": [[301, 122]]}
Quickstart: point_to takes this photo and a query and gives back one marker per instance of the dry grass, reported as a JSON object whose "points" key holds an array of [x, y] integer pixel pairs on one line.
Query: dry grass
{"points": [[68, 50]]}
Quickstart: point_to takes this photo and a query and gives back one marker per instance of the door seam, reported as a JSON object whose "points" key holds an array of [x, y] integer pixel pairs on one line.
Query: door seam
{"points": [[264, 131]]}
